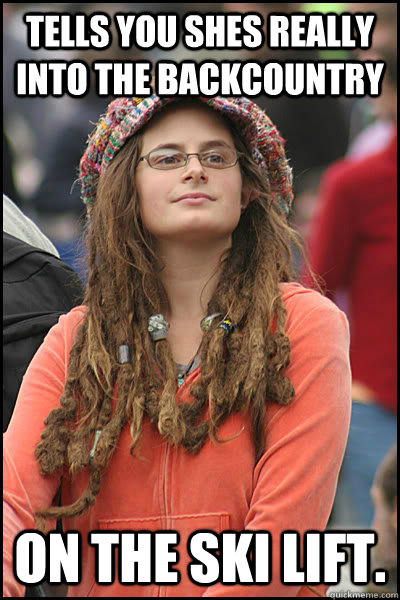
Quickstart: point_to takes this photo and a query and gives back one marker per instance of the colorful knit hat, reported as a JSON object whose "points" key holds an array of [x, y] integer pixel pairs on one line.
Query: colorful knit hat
{"points": [[125, 116]]}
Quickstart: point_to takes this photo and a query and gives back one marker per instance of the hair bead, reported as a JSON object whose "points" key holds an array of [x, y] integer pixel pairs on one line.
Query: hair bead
{"points": [[158, 327], [124, 354], [227, 325]]}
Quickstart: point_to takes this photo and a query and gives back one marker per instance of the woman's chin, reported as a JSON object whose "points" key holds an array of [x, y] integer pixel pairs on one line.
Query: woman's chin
{"points": [[197, 232], [199, 227]]}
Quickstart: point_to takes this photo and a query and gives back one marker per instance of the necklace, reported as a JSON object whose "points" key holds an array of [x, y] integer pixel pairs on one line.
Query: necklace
{"points": [[184, 370], [158, 329]]}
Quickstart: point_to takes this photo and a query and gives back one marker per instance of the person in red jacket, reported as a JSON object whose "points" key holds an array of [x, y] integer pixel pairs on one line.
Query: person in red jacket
{"points": [[352, 246], [199, 387]]}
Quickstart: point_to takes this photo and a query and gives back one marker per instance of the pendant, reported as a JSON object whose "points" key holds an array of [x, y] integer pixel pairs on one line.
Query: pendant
{"points": [[205, 323]]}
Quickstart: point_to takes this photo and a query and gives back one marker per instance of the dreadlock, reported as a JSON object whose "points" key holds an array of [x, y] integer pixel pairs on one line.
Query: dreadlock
{"points": [[102, 395]]}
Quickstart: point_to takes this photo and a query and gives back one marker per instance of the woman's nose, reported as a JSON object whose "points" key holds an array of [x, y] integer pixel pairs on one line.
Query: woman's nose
{"points": [[194, 168]]}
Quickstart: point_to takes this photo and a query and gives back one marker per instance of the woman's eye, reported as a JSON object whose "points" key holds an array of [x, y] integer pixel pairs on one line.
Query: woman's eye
{"points": [[214, 158], [167, 159]]}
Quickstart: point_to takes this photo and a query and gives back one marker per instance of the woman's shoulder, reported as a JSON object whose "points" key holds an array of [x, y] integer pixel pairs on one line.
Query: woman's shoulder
{"points": [[73, 318], [305, 305], [319, 348], [62, 334], [76, 313], [296, 296]]}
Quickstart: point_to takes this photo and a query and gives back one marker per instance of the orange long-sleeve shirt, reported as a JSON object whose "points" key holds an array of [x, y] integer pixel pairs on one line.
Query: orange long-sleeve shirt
{"points": [[291, 488]]}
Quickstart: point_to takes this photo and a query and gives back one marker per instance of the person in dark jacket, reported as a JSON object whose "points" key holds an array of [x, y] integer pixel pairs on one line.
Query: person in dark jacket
{"points": [[37, 288]]}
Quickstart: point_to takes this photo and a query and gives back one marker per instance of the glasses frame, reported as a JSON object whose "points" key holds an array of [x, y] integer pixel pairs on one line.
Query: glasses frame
{"points": [[187, 154]]}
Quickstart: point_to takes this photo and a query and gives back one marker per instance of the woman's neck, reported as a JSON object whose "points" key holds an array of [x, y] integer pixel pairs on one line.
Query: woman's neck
{"points": [[190, 278]]}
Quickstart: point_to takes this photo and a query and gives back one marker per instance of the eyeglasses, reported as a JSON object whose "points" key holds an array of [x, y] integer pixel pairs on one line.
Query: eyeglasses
{"points": [[166, 159]]}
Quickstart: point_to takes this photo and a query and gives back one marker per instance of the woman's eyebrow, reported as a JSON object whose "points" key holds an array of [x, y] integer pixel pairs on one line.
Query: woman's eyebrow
{"points": [[203, 145]]}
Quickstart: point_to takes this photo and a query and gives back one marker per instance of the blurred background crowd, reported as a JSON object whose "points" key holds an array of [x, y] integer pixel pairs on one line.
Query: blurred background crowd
{"points": [[343, 154]]}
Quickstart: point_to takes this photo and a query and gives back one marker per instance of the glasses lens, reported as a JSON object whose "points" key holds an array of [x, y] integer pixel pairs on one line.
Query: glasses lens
{"points": [[166, 158], [219, 158]]}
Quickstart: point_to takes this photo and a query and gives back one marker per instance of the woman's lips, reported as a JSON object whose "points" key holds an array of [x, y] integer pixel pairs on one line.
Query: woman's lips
{"points": [[195, 198]]}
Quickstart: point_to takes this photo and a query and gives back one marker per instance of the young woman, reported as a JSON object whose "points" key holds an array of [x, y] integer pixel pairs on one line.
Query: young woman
{"points": [[199, 387]]}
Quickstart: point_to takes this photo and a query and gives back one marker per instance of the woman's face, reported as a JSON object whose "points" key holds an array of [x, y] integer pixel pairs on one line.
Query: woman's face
{"points": [[191, 203]]}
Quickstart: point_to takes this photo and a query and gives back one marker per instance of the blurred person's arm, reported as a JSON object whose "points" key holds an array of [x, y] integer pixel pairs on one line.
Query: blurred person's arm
{"points": [[332, 235]]}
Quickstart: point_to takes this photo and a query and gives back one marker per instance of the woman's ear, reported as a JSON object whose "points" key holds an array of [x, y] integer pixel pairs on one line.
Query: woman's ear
{"points": [[248, 195]]}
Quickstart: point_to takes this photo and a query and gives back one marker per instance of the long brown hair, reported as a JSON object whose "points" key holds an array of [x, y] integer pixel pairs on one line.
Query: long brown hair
{"points": [[239, 371]]}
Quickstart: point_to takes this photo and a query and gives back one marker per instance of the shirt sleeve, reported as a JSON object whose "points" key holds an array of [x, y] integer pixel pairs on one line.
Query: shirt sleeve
{"points": [[295, 480], [332, 238], [25, 489]]}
